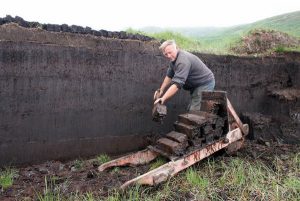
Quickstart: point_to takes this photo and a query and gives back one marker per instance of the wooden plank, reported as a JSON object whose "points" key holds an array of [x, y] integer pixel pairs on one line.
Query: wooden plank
{"points": [[236, 118], [170, 169], [138, 158]]}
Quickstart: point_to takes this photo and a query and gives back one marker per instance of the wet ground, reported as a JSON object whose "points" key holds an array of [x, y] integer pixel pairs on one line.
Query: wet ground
{"points": [[81, 176], [78, 176]]}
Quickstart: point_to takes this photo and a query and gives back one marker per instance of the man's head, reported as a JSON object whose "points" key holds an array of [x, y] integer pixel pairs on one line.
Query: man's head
{"points": [[169, 49]]}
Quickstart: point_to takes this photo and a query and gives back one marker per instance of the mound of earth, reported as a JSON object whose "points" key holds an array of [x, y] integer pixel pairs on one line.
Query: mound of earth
{"points": [[261, 41]]}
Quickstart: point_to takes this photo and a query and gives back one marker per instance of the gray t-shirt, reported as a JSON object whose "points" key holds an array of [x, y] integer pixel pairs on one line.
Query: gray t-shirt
{"points": [[188, 71]]}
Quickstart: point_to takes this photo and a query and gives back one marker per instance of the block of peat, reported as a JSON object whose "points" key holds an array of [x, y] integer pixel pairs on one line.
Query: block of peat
{"points": [[210, 106], [209, 138], [170, 146], [176, 136], [206, 129], [189, 130], [198, 118], [197, 142], [192, 119], [159, 112]]}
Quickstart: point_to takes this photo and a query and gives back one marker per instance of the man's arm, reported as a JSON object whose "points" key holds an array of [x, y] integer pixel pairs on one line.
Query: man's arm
{"points": [[165, 83], [158, 93], [169, 93]]}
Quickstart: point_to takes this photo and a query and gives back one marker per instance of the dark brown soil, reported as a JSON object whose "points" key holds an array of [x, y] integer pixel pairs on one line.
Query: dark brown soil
{"points": [[70, 178]]}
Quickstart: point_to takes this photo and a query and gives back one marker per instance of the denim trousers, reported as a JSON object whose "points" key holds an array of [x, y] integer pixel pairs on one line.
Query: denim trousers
{"points": [[196, 95]]}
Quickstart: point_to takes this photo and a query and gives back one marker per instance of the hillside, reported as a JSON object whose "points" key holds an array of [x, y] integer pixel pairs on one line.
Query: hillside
{"points": [[221, 40], [288, 23]]}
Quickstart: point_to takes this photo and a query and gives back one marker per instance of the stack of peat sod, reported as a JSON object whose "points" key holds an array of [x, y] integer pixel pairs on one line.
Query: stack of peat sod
{"points": [[195, 130]]}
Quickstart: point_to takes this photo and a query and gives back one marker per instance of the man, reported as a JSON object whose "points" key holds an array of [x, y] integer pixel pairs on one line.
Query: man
{"points": [[185, 71]]}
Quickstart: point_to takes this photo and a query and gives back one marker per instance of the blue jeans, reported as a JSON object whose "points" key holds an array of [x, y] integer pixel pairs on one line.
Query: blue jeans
{"points": [[196, 95]]}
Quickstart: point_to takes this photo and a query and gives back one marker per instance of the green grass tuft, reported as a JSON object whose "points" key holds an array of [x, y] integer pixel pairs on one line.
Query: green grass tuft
{"points": [[157, 163], [50, 192], [78, 164], [103, 158], [7, 177], [196, 180]]}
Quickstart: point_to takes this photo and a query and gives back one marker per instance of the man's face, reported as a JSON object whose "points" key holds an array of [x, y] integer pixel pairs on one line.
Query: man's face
{"points": [[170, 52]]}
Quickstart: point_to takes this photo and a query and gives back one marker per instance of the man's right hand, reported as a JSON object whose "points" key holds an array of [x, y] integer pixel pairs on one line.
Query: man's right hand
{"points": [[159, 100], [157, 94]]}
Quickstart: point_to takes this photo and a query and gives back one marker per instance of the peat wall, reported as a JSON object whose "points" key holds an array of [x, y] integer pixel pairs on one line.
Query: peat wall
{"points": [[265, 91], [66, 95]]}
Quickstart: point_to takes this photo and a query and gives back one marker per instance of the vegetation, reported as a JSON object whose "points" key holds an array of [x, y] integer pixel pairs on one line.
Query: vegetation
{"points": [[288, 23], [78, 164], [7, 177], [103, 158], [233, 178], [158, 162], [50, 192], [282, 49], [222, 40], [182, 41]]}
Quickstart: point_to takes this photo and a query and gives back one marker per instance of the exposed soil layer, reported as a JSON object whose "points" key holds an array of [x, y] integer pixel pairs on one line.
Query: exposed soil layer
{"points": [[72, 176], [264, 91], [67, 95], [66, 91]]}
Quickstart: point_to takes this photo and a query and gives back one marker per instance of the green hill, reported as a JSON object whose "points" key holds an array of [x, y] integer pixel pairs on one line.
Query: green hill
{"points": [[288, 23], [221, 39]]}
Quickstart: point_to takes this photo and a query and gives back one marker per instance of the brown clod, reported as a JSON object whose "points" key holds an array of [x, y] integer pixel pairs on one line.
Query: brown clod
{"points": [[171, 146], [159, 112]]}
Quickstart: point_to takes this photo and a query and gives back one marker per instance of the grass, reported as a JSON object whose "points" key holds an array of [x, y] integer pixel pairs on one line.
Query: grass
{"points": [[103, 158], [198, 184], [50, 192], [282, 49], [78, 164], [157, 163], [182, 41], [7, 177], [87, 197], [222, 178], [235, 179], [115, 170]]}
